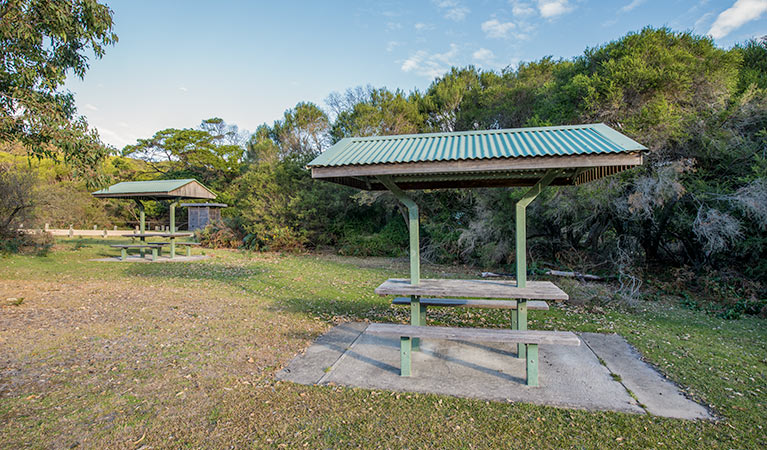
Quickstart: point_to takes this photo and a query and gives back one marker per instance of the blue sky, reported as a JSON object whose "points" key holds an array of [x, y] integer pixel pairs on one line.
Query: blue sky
{"points": [[179, 62]]}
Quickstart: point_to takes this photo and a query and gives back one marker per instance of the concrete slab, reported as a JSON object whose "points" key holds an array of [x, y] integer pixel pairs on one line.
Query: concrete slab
{"points": [[657, 394], [148, 258], [310, 366], [571, 377]]}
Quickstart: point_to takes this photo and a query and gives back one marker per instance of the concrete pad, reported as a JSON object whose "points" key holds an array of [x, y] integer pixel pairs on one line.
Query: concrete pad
{"points": [[148, 258], [658, 395], [571, 377], [310, 366]]}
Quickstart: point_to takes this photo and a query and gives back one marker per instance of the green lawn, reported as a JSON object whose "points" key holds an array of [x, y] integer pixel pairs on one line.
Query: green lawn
{"points": [[183, 355]]}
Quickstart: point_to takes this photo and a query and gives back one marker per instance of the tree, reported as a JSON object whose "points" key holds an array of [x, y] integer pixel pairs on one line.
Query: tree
{"points": [[442, 101], [40, 43], [383, 113], [190, 152], [303, 132]]}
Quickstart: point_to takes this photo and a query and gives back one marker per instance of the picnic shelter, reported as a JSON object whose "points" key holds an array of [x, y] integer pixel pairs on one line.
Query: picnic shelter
{"points": [[522, 157], [140, 191]]}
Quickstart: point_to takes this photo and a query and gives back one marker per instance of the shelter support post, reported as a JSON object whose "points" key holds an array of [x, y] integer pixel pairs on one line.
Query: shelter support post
{"points": [[141, 224], [519, 316], [417, 311], [173, 228]]}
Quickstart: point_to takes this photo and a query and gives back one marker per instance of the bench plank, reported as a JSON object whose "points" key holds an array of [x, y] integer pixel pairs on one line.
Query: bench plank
{"points": [[503, 289], [136, 245], [536, 305], [475, 334]]}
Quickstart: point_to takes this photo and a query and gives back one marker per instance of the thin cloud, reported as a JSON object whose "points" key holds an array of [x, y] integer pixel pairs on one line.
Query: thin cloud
{"points": [[91, 107], [484, 55], [183, 89], [741, 12], [494, 28], [553, 8], [391, 45], [420, 26], [430, 65], [522, 9], [632, 5], [452, 9]]}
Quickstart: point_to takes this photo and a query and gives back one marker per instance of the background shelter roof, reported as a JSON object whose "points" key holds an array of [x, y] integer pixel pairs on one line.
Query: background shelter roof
{"points": [[203, 205], [491, 158], [157, 190]]}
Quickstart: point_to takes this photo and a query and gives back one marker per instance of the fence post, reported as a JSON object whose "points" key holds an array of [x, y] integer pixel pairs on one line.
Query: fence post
{"points": [[46, 227], [71, 231], [95, 227]]}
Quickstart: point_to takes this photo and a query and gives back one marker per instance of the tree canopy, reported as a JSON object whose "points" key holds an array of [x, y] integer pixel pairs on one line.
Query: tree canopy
{"points": [[41, 42]]}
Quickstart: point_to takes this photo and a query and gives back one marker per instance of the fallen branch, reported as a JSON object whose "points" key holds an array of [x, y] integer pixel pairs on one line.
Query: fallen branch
{"points": [[580, 276], [556, 273]]}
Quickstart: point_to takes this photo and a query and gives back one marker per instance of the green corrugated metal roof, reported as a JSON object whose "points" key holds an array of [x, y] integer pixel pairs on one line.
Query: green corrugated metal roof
{"points": [[144, 187], [474, 145]]}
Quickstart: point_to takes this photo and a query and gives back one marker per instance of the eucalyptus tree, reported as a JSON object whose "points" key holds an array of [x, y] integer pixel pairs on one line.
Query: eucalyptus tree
{"points": [[41, 43]]}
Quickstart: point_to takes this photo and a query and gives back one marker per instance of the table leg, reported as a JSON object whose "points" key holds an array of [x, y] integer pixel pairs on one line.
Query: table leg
{"points": [[532, 364], [405, 345], [417, 317], [154, 253], [188, 250], [172, 248], [123, 254], [521, 325]]}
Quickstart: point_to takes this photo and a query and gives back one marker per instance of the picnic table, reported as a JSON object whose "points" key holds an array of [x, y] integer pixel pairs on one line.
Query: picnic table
{"points": [[171, 236], [500, 291]]}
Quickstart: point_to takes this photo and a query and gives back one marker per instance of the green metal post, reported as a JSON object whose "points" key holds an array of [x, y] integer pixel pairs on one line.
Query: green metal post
{"points": [[173, 228], [521, 246], [412, 209], [521, 325], [417, 312], [141, 224], [404, 355], [521, 224], [123, 254], [532, 364]]}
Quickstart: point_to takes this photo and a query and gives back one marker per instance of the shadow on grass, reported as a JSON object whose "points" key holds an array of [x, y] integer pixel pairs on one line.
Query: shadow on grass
{"points": [[230, 274], [330, 308]]}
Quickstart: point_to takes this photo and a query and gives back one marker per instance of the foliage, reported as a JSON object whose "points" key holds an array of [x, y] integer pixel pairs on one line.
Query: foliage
{"points": [[219, 235], [697, 202], [40, 43], [211, 154]]}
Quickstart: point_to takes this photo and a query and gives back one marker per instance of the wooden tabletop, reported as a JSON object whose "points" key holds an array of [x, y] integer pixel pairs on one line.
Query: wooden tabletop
{"points": [[535, 290], [159, 234]]}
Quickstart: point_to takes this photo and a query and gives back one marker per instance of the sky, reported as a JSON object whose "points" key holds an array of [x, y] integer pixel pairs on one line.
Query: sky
{"points": [[180, 62]]}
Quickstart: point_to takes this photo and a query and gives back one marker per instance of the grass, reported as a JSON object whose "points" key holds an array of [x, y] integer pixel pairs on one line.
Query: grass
{"points": [[183, 355]]}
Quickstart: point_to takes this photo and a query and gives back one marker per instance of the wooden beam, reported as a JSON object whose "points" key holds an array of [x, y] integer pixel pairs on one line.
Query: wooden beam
{"points": [[484, 165]]}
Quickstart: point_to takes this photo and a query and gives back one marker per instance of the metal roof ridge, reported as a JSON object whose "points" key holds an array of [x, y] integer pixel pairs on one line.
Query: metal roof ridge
{"points": [[475, 132]]}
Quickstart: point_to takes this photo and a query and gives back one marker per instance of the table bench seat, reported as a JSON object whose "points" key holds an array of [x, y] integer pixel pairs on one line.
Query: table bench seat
{"points": [[529, 338], [189, 246], [155, 247], [536, 305]]}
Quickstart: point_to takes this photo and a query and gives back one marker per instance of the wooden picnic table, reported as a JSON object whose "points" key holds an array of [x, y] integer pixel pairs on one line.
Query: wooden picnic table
{"points": [[483, 289], [171, 236]]}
